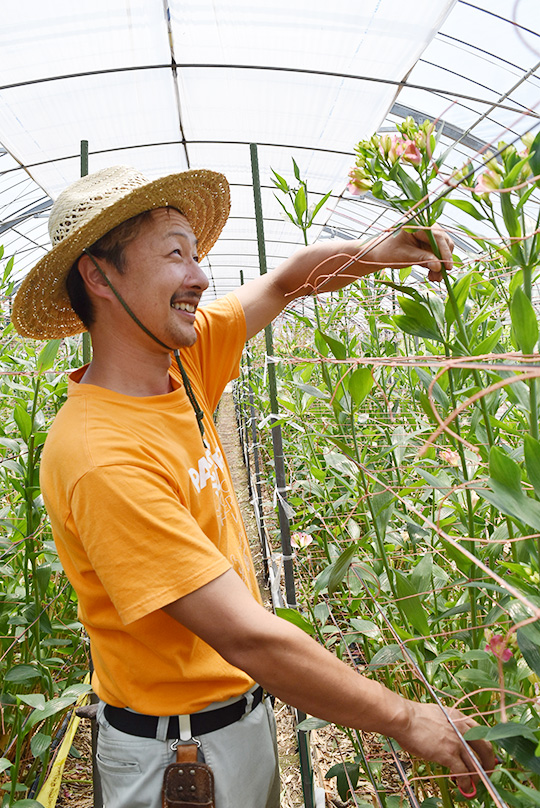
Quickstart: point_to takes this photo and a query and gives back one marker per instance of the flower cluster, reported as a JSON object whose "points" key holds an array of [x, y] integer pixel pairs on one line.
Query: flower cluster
{"points": [[498, 645], [496, 171], [411, 145]]}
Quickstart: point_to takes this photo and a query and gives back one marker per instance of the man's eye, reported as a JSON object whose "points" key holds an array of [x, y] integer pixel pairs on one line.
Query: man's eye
{"points": [[196, 259]]}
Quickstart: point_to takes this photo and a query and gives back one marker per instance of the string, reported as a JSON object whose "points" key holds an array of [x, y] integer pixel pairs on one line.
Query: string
{"points": [[199, 414]]}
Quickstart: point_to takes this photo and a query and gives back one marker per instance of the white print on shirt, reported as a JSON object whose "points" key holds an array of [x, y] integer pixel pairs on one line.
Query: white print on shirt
{"points": [[206, 470], [208, 467]]}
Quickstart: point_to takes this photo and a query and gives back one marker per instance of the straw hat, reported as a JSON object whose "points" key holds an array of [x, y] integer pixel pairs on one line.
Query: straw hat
{"points": [[86, 211]]}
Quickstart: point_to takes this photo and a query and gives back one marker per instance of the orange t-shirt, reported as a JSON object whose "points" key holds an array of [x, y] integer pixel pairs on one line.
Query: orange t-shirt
{"points": [[142, 514]]}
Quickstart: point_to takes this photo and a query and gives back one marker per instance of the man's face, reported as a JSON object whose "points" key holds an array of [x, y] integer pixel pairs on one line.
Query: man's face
{"points": [[162, 282]]}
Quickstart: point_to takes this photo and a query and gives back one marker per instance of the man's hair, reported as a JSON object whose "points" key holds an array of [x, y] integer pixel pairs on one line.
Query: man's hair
{"points": [[110, 247]]}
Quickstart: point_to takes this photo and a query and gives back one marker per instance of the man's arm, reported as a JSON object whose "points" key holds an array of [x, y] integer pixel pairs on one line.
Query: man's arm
{"points": [[296, 669], [317, 269]]}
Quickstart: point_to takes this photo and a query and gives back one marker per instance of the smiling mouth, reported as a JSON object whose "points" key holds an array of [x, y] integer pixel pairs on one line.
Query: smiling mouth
{"points": [[189, 307]]}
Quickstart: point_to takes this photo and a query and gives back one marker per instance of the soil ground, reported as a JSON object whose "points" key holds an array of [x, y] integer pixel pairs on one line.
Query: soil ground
{"points": [[328, 746]]}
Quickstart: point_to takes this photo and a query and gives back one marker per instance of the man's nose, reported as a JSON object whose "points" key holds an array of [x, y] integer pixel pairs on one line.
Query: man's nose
{"points": [[197, 276]]}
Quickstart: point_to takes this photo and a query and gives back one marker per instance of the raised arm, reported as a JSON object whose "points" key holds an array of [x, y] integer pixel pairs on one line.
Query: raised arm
{"points": [[326, 266], [292, 666]]}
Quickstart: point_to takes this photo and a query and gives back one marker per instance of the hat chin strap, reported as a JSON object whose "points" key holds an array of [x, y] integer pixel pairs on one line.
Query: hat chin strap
{"points": [[199, 414]]}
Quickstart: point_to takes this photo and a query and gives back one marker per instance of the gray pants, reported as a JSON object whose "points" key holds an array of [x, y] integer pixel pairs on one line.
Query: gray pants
{"points": [[243, 757]]}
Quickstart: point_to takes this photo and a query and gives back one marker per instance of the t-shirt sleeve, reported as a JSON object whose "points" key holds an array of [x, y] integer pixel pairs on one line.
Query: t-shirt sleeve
{"points": [[216, 355], [142, 542]]}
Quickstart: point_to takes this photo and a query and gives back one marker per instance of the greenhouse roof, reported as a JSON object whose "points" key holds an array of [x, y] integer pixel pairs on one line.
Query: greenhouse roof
{"points": [[167, 85]]}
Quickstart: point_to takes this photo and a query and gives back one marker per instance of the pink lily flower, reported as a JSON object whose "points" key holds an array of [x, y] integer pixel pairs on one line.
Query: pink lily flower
{"points": [[300, 541], [449, 456], [497, 646], [488, 181], [411, 153]]}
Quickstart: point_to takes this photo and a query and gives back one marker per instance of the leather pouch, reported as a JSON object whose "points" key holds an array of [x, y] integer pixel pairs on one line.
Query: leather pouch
{"points": [[188, 784]]}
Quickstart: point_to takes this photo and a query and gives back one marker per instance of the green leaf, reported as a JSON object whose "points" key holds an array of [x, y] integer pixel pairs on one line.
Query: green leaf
{"points": [[510, 216], [340, 567], [532, 461], [312, 391], [279, 182], [467, 207], [36, 700], [524, 322], [411, 326], [437, 392], [296, 170], [475, 678], [365, 627], [77, 689], [22, 673], [421, 575], [291, 217], [4, 764], [510, 730], [345, 773], [338, 348], [48, 355], [410, 604], [461, 292], [530, 651], [532, 794], [510, 503], [488, 344], [419, 312], [412, 190], [386, 656], [39, 743], [294, 617], [523, 750], [300, 202], [23, 421], [309, 724], [360, 383], [318, 206], [382, 503], [51, 708], [504, 470], [27, 804], [534, 155]]}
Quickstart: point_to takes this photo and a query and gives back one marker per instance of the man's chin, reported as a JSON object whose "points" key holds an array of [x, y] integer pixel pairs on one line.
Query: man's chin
{"points": [[184, 340]]}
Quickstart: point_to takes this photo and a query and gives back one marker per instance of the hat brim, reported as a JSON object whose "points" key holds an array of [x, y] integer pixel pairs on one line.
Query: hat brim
{"points": [[42, 309]]}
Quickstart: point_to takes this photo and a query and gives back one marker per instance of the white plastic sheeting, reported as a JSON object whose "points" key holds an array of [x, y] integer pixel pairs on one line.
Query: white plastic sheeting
{"points": [[166, 85]]}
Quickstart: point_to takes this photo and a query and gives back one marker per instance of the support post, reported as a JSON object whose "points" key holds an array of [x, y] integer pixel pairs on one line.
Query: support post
{"points": [[281, 479]]}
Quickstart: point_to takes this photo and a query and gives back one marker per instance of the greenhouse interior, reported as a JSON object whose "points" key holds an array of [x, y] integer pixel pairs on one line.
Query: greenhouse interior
{"points": [[382, 433]]}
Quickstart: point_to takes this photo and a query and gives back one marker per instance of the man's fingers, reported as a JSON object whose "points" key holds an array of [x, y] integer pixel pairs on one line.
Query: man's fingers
{"points": [[484, 752], [445, 247]]}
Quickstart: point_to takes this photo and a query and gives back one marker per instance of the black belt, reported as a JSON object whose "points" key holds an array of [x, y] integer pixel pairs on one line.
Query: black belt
{"points": [[145, 726]]}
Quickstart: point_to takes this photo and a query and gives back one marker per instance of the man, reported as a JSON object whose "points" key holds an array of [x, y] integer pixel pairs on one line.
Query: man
{"points": [[141, 502]]}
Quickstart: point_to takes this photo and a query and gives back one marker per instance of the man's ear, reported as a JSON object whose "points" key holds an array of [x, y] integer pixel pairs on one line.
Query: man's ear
{"points": [[92, 277]]}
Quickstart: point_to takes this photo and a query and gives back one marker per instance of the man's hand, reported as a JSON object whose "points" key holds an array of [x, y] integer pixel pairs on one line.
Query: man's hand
{"points": [[332, 264], [405, 248], [292, 666], [431, 737]]}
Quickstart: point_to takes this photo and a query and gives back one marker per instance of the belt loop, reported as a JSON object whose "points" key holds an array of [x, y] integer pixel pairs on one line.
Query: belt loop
{"points": [[101, 720], [162, 727], [249, 702], [184, 723]]}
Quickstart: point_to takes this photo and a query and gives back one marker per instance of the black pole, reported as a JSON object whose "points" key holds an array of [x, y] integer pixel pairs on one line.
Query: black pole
{"points": [[281, 478]]}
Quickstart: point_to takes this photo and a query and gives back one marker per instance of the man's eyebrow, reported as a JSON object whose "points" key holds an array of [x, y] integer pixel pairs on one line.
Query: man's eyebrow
{"points": [[183, 234]]}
